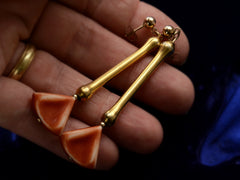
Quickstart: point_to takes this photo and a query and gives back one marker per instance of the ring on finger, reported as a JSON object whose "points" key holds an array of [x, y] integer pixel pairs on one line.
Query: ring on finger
{"points": [[23, 63]]}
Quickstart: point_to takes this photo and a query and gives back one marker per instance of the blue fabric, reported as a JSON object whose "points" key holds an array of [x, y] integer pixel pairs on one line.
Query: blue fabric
{"points": [[8, 140], [222, 143]]}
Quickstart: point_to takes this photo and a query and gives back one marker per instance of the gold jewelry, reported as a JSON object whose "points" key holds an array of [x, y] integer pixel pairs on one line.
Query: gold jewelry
{"points": [[23, 63], [53, 110]]}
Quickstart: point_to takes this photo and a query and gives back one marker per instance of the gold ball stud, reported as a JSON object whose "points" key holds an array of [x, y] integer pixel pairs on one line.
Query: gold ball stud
{"points": [[149, 22], [168, 31]]}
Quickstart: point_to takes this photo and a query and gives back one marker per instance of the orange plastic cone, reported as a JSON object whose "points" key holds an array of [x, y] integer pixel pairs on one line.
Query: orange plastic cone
{"points": [[53, 110], [82, 145]]}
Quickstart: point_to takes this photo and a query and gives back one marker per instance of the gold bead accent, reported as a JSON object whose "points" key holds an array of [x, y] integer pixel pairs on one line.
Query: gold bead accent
{"points": [[39, 120], [149, 22], [168, 31]]}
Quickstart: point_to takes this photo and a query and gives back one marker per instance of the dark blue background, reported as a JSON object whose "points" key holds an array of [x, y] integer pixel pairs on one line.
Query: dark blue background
{"points": [[213, 65]]}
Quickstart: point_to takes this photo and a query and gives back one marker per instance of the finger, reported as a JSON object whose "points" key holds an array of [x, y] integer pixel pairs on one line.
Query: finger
{"points": [[92, 50], [118, 16], [17, 19], [16, 115], [50, 75]]}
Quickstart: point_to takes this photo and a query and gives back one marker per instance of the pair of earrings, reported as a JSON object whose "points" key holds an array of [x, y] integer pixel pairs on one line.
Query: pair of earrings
{"points": [[53, 110]]}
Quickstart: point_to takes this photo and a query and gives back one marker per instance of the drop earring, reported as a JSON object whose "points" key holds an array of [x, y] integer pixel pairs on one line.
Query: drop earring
{"points": [[53, 110]]}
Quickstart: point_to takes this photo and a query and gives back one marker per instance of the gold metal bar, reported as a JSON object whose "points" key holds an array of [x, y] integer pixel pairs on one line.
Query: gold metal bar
{"points": [[85, 92], [166, 48]]}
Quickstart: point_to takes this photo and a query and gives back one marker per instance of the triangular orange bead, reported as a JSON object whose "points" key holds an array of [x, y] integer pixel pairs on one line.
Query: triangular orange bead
{"points": [[53, 110], [82, 145]]}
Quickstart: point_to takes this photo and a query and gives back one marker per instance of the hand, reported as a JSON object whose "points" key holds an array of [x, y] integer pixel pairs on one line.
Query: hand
{"points": [[78, 41]]}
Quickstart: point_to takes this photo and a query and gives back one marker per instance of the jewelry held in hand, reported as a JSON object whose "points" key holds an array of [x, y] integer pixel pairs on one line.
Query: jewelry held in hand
{"points": [[53, 110]]}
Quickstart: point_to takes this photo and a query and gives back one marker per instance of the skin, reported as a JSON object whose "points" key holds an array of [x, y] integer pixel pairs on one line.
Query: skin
{"points": [[77, 42]]}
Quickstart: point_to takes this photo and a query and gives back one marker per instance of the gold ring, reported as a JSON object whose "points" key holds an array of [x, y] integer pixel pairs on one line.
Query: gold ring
{"points": [[23, 63]]}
